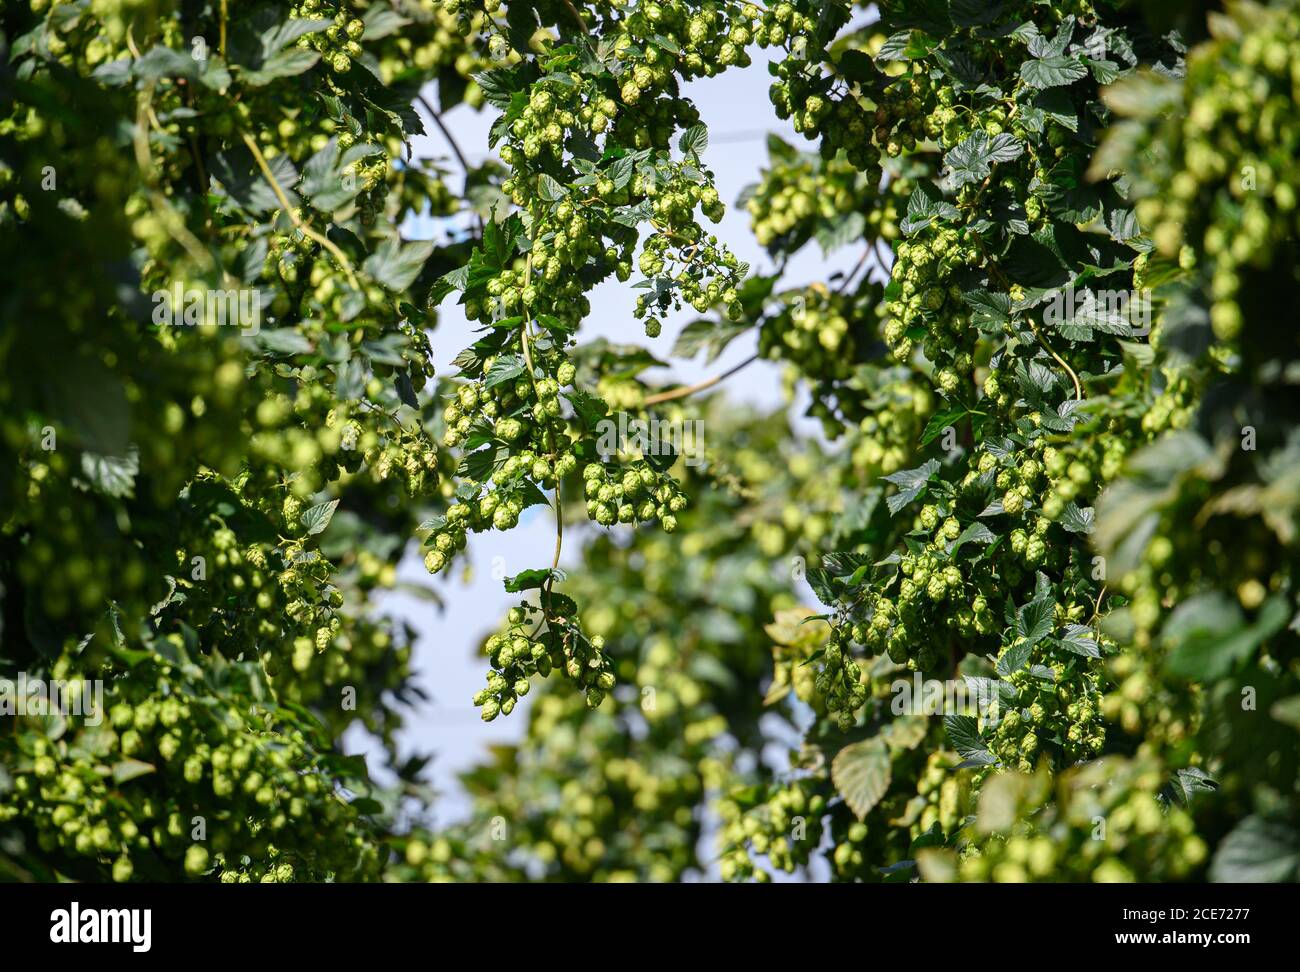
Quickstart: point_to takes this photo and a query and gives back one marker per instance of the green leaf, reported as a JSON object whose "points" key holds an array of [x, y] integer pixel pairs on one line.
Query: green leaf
{"points": [[942, 420], [112, 74], [780, 150], [381, 22], [620, 173], [285, 64], [694, 140], [283, 342], [911, 483], [480, 465], [964, 736], [1078, 519], [112, 475], [549, 189], [1049, 72], [245, 184], [845, 563], [521, 24], [1014, 657], [1035, 620], [661, 459], [1186, 783], [823, 584], [164, 62], [324, 179], [906, 732], [367, 805], [839, 231], [1080, 640], [905, 45], [975, 533], [279, 36], [972, 159], [499, 86], [591, 410], [666, 43], [1103, 72], [857, 66], [501, 240], [923, 209], [1258, 851], [505, 368], [990, 309], [861, 773], [703, 334], [1210, 636], [396, 265], [129, 769], [1056, 105], [317, 518], [528, 580], [446, 284]]}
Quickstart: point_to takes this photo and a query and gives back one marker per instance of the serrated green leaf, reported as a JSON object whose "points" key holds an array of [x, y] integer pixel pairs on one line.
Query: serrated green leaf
{"points": [[1080, 640], [975, 533], [972, 159], [911, 483], [1050, 72], [315, 519], [990, 309], [396, 265], [964, 736], [528, 580], [549, 189], [1014, 657], [861, 773], [694, 140], [823, 584], [505, 368], [1078, 519], [923, 208], [285, 64], [112, 475], [1035, 620], [499, 86]]}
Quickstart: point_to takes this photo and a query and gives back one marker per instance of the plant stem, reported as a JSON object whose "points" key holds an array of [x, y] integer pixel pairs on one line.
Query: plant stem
{"points": [[523, 299], [668, 396], [848, 279], [1078, 389], [996, 271], [559, 527], [582, 24], [170, 219], [550, 438], [304, 227]]}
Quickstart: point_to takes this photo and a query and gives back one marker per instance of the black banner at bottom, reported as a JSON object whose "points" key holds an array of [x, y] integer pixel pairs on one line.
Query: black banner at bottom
{"points": [[339, 922]]}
